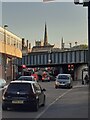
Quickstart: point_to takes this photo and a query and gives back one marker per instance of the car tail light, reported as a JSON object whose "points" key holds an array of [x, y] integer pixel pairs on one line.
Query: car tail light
{"points": [[35, 78], [43, 78]]}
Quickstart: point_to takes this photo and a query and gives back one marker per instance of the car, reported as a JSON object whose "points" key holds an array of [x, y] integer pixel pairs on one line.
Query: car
{"points": [[27, 78], [2, 82], [23, 94], [45, 77], [35, 76], [52, 77], [63, 80]]}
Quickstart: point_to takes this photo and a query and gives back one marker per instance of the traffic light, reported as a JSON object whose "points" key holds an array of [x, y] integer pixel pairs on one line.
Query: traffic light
{"points": [[23, 66], [72, 67], [69, 67]]}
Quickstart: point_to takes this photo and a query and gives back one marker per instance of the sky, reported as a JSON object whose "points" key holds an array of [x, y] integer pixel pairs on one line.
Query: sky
{"points": [[63, 19]]}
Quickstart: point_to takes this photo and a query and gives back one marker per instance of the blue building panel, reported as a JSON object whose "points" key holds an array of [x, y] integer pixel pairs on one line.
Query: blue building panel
{"points": [[77, 56], [38, 59], [64, 57], [60, 59], [32, 60], [45, 58], [28, 59], [68, 57], [82, 56], [42, 59], [56, 58], [73, 56]]}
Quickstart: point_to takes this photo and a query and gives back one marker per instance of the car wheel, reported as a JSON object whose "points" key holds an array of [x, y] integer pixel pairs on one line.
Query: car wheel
{"points": [[70, 86], [44, 102], [4, 107], [36, 107], [55, 86]]}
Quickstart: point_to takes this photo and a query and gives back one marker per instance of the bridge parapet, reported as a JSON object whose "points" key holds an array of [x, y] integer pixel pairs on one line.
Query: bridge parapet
{"points": [[45, 58]]}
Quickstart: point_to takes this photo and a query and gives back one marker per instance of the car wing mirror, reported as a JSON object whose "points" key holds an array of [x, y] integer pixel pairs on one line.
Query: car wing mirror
{"points": [[43, 89]]}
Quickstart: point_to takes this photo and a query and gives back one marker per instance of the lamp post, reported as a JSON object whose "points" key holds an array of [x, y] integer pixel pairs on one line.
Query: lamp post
{"points": [[5, 57], [49, 61], [86, 3]]}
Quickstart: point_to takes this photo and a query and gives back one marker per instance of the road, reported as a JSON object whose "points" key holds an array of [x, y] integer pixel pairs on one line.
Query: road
{"points": [[60, 103]]}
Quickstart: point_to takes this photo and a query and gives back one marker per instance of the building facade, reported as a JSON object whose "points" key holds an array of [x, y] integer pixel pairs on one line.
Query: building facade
{"points": [[10, 49]]}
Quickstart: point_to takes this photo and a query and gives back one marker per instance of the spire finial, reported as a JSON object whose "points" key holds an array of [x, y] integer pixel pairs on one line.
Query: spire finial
{"points": [[45, 36]]}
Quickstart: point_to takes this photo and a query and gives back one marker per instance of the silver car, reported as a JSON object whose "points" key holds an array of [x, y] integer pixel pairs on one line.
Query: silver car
{"points": [[64, 80], [2, 83]]}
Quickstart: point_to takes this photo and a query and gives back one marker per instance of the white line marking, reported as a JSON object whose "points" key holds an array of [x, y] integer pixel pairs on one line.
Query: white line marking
{"points": [[51, 104]]}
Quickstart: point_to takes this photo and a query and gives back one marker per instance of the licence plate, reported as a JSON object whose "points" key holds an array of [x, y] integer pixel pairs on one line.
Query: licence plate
{"points": [[17, 102], [62, 84]]}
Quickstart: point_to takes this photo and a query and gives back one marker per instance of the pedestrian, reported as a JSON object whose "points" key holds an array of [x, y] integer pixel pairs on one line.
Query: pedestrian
{"points": [[86, 79]]}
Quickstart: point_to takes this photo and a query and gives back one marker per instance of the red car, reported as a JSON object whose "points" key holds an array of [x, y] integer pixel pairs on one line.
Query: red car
{"points": [[45, 77], [35, 76]]}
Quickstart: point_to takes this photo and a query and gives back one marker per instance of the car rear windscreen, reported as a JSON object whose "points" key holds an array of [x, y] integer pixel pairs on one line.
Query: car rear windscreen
{"points": [[25, 78], [24, 87]]}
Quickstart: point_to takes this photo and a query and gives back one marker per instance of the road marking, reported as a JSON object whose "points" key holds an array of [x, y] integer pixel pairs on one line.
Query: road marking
{"points": [[51, 104], [76, 86]]}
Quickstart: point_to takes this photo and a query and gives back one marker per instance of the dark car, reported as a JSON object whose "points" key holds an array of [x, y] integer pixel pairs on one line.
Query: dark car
{"points": [[23, 94]]}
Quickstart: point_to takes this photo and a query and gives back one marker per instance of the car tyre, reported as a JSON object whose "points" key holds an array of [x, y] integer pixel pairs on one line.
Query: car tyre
{"points": [[36, 107], [43, 102], [4, 107], [56, 87]]}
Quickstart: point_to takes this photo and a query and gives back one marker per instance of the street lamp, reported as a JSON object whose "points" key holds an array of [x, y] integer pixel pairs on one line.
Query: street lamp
{"points": [[87, 4], [49, 61], [5, 57]]}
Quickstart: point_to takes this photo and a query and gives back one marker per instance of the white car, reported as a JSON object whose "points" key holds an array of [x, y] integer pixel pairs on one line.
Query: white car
{"points": [[2, 83], [63, 80]]}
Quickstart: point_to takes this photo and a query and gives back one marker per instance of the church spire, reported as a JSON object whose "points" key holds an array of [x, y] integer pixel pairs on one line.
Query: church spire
{"points": [[45, 36]]}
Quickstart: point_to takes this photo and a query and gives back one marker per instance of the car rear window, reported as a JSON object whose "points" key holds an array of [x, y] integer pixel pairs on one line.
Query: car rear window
{"points": [[24, 87], [25, 78], [63, 77]]}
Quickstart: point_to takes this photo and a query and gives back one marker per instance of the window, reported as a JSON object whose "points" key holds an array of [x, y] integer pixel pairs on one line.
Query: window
{"points": [[8, 39], [37, 87], [63, 77], [25, 78], [20, 87]]}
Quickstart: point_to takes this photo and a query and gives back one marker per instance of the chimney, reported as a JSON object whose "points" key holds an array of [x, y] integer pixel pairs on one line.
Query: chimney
{"points": [[27, 43], [23, 43], [70, 45]]}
